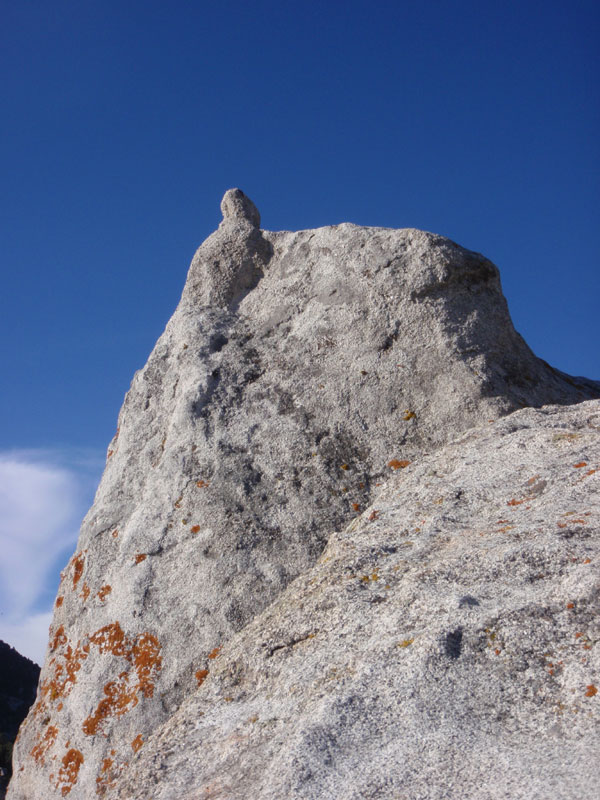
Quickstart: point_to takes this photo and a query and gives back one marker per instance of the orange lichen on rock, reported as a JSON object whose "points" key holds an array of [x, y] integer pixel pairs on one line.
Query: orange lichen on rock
{"points": [[202, 484], [195, 528], [395, 464], [515, 502], [580, 464], [104, 592], [39, 751], [78, 564], [111, 639], [59, 638], [201, 676], [85, 592], [147, 661], [374, 515], [137, 743], [59, 601], [121, 696], [69, 772], [591, 690], [140, 557], [115, 533], [214, 653], [105, 780]]}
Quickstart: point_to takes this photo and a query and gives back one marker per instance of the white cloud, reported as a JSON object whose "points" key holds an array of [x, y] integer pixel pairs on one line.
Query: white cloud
{"points": [[43, 497], [29, 636]]}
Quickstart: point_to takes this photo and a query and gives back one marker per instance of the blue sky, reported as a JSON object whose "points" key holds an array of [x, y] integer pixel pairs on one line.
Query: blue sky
{"points": [[124, 123]]}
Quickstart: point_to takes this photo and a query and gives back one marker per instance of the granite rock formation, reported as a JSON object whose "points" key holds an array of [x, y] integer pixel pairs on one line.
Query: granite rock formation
{"points": [[445, 645], [298, 373]]}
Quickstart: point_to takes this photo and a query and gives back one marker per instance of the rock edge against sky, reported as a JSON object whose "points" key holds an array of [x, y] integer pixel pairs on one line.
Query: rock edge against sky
{"points": [[298, 373]]}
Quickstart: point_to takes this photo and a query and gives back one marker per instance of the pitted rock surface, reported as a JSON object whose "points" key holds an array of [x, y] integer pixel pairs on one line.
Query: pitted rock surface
{"points": [[299, 371]]}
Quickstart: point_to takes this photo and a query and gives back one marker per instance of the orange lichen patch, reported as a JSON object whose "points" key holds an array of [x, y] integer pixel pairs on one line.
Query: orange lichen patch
{"points": [[570, 605], [118, 701], [140, 557], [85, 592], [195, 528], [356, 506], [109, 454], [587, 561], [177, 503], [374, 515], [111, 639], [69, 772], [201, 676], [115, 533], [344, 466], [531, 481], [59, 601], [78, 564], [144, 654], [591, 690], [580, 464], [65, 673], [38, 753], [396, 464], [104, 592], [146, 660], [202, 484], [107, 764], [59, 638], [137, 743], [514, 502], [214, 653], [408, 415]]}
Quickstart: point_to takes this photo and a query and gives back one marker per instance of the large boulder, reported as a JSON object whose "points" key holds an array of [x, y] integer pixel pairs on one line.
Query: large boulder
{"points": [[297, 373], [444, 646]]}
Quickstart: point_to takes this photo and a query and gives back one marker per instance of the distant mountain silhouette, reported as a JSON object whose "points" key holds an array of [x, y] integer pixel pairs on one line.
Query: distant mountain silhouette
{"points": [[18, 684]]}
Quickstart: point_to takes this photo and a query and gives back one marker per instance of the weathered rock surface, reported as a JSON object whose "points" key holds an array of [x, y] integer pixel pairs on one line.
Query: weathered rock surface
{"points": [[296, 369], [446, 644]]}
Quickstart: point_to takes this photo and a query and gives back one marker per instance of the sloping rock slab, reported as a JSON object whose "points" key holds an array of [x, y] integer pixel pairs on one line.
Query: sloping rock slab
{"points": [[445, 645]]}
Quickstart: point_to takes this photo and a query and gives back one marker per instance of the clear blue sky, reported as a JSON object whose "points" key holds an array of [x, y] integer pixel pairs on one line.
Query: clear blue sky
{"points": [[124, 123]]}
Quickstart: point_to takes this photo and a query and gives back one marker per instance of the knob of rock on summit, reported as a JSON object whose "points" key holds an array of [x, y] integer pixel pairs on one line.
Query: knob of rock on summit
{"points": [[235, 206]]}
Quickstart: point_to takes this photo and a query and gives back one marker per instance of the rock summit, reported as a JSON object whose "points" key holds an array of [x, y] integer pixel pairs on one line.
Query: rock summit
{"points": [[345, 544]]}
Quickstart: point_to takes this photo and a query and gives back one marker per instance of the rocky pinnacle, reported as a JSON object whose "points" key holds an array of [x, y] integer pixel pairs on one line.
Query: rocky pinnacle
{"points": [[301, 376]]}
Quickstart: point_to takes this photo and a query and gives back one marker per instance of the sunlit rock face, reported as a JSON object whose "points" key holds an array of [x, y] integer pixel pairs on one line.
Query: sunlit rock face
{"points": [[445, 645], [298, 373]]}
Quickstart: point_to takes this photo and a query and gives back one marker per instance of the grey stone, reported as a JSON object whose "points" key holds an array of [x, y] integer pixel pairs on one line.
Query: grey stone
{"points": [[298, 373], [370, 678]]}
